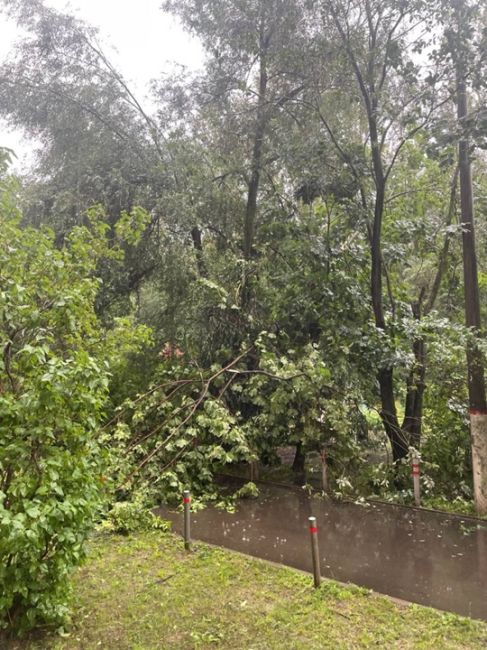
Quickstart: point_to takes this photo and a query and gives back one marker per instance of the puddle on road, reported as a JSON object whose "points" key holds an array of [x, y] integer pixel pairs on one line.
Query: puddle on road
{"points": [[424, 557]]}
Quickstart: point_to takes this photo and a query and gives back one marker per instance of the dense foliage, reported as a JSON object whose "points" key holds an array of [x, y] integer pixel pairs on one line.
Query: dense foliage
{"points": [[53, 390], [285, 250]]}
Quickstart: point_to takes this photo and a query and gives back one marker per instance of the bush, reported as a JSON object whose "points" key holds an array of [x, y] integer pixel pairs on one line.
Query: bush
{"points": [[131, 517], [53, 385], [248, 491]]}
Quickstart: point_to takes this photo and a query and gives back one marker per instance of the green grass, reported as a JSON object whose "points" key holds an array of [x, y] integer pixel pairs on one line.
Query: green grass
{"points": [[145, 593]]}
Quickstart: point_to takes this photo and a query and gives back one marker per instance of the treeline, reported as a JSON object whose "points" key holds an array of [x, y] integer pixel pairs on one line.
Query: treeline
{"points": [[282, 250], [305, 248]]}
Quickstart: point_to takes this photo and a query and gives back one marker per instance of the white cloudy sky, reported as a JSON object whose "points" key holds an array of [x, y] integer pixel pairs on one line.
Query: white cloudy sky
{"points": [[146, 41]]}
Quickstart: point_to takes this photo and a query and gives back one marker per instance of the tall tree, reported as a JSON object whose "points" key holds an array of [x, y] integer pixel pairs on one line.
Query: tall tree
{"points": [[255, 67], [378, 38], [463, 59], [97, 144]]}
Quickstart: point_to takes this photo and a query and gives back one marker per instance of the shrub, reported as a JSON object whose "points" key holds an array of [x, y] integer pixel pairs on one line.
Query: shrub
{"points": [[130, 517], [248, 491], [53, 385]]}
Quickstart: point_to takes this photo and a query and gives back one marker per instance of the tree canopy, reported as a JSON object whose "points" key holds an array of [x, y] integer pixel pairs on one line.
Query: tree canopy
{"points": [[296, 232]]}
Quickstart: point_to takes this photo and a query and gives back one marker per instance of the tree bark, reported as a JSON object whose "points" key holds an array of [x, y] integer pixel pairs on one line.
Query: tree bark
{"points": [[388, 413], [299, 458], [476, 383], [413, 412], [475, 367], [324, 471], [478, 430], [198, 247], [367, 85], [256, 162]]}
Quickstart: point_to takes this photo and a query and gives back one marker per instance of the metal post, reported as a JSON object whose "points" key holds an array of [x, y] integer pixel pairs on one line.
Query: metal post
{"points": [[417, 487], [315, 551], [187, 519]]}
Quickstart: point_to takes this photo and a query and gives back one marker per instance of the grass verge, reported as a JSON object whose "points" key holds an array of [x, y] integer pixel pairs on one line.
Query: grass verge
{"points": [[145, 593]]}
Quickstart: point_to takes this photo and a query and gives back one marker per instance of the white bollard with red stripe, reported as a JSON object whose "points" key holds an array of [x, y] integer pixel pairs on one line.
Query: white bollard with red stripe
{"points": [[416, 484], [313, 529]]}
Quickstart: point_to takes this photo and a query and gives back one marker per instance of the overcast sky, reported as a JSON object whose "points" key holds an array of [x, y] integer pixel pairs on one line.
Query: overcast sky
{"points": [[146, 42]]}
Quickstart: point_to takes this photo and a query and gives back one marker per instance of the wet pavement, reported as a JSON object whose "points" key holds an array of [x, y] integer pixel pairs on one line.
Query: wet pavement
{"points": [[420, 556]]}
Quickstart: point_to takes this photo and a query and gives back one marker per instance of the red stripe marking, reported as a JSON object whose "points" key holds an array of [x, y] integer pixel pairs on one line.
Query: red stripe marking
{"points": [[477, 412], [187, 500], [312, 529]]}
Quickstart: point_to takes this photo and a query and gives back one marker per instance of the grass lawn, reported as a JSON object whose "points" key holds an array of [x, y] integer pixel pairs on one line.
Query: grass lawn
{"points": [[145, 593]]}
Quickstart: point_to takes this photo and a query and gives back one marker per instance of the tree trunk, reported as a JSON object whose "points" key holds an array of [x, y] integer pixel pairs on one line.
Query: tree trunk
{"points": [[299, 459], [324, 471], [413, 412], [478, 430], [256, 162], [413, 421], [198, 247], [476, 382], [388, 413]]}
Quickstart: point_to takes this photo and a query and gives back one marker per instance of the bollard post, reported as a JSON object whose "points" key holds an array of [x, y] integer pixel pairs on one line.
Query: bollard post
{"points": [[315, 551], [416, 484], [187, 519]]}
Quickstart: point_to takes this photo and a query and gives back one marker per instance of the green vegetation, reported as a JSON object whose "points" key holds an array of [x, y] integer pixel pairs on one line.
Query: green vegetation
{"points": [[144, 592], [54, 381], [279, 252], [51, 401]]}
